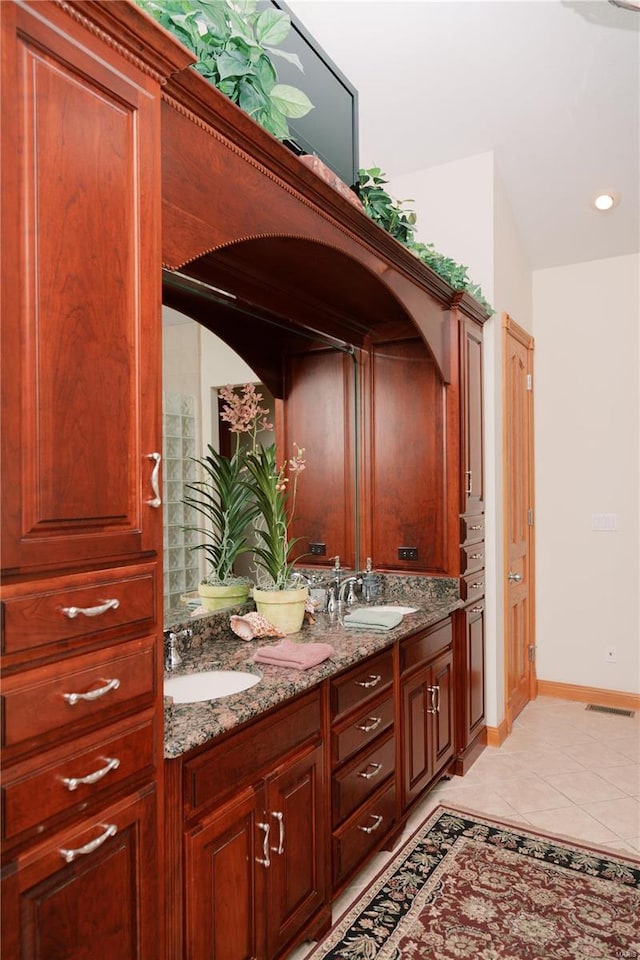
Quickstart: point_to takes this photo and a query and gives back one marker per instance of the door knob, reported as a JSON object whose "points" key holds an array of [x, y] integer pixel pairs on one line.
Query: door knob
{"points": [[514, 577]]}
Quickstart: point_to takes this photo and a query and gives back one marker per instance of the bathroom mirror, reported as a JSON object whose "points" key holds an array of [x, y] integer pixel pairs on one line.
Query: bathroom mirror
{"points": [[196, 363]]}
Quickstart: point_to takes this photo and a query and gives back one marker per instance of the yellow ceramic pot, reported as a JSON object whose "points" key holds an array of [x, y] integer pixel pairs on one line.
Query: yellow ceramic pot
{"points": [[219, 596], [283, 608]]}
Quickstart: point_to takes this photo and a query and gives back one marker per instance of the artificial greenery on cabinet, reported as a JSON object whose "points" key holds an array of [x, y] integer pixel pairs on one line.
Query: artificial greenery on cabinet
{"points": [[235, 44], [393, 217]]}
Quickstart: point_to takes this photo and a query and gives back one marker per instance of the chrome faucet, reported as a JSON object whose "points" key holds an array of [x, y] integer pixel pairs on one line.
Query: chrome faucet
{"points": [[172, 658], [352, 582]]}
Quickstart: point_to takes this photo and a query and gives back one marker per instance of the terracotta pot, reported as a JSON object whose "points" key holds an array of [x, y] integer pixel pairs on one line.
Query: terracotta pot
{"points": [[283, 608], [219, 596]]}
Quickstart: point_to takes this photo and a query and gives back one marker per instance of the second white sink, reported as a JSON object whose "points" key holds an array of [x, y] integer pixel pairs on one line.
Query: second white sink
{"points": [[208, 685]]}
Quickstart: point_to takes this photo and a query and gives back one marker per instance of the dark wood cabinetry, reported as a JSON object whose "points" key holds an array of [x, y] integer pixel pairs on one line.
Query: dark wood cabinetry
{"points": [[427, 704], [255, 840], [472, 433], [81, 524]]}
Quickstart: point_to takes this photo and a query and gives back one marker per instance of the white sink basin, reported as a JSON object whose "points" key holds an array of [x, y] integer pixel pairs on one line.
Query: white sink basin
{"points": [[208, 685]]}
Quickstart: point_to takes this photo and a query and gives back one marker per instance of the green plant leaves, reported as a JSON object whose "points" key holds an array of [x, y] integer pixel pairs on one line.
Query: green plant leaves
{"points": [[234, 44], [290, 101], [401, 224]]}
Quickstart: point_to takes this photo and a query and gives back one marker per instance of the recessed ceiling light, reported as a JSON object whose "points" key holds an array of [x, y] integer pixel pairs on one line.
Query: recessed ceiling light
{"points": [[605, 201]]}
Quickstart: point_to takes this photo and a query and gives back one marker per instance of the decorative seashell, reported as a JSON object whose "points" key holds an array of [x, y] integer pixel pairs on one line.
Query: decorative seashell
{"points": [[252, 625]]}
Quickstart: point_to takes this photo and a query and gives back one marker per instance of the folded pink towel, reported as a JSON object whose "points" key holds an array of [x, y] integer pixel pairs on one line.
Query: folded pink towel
{"points": [[288, 653]]}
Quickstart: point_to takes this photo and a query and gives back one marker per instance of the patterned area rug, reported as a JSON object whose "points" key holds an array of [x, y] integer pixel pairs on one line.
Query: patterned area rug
{"points": [[465, 887]]}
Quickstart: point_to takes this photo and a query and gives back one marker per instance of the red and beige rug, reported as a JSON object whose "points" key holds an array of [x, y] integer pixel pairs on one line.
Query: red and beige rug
{"points": [[465, 887]]}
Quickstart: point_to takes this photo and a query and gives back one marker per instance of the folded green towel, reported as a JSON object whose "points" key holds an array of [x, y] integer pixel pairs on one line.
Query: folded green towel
{"points": [[373, 619]]}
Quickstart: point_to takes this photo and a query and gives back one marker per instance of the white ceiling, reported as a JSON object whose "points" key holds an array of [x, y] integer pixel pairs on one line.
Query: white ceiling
{"points": [[551, 86]]}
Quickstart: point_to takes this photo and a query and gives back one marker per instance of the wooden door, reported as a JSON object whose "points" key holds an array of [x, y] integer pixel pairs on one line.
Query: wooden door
{"points": [[296, 881], [417, 753], [227, 861], [473, 713], [98, 906], [81, 295], [518, 518]]}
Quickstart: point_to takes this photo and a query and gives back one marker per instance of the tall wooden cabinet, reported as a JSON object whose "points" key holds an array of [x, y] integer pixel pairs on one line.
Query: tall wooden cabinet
{"points": [[81, 518], [470, 641]]}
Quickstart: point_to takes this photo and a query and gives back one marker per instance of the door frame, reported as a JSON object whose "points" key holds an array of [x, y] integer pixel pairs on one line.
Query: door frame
{"points": [[511, 329]]}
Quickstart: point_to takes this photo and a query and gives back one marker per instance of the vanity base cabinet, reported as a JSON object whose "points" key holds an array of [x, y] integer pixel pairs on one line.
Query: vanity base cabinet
{"points": [[255, 853], [427, 710], [99, 905]]}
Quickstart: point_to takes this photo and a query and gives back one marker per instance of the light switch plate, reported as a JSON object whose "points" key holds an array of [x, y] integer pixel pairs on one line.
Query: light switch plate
{"points": [[604, 522]]}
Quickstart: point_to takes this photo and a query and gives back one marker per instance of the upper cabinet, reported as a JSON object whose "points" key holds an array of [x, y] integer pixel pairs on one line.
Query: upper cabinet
{"points": [[472, 443], [81, 288]]}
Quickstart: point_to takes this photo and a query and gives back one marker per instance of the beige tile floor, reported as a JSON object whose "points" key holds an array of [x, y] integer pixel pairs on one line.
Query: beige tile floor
{"points": [[564, 770]]}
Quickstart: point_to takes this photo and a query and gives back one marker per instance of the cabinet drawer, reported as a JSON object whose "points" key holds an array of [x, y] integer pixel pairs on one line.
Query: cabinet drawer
{"points": [[471, 529], [33, 792], [423, 646], [242, 757], [361, 682], [362, 728], [49, 612], [362, 777], [362, 833], [472, 557], [472, 586], [39, 702]]}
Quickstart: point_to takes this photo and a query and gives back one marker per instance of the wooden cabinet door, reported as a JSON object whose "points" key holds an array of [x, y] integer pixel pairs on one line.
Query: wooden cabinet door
{"points": [[81, 295], [227, 861], [473, 670], [100, 905], [442, 717], [296, 880], [417, 752], [405, 458], [472, 441]]}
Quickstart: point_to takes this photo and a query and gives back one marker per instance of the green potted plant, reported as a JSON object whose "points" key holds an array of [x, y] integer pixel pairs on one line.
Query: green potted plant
{"points": [[226, 502], [278, 596], [235, 44]]}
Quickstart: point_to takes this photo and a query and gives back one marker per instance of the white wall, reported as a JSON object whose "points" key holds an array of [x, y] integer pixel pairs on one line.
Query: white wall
{"points": [[587, 413]]}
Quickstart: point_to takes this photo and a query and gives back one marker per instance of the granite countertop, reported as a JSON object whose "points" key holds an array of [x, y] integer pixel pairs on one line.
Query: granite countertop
{"points": [[215, 647]]}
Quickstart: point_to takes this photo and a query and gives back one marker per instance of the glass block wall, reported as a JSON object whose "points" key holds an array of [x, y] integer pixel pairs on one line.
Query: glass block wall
{"points": [[181, 565]]}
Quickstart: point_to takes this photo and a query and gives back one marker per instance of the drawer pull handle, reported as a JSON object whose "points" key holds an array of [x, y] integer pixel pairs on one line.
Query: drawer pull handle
{"points": [[72, 612], [377, 820], [279, 817], [434, 694], [367, 774], [477, 609], [373, 681], [155, 500], [70, 855], [265, 861], [367, 728], [477, 526], [477, 556], [110, 685], [72, 783], [477, 585], [469, 476]]}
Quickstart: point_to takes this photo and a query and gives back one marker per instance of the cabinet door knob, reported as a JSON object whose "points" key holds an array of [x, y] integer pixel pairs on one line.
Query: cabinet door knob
{"points": [[155, 484], [373, 680], [368, 774], [280, 818], [377, 820], [72, 783], [514, 577], [264, 860], [73, 612], [110, 685], [70, 855], [368, 727]]}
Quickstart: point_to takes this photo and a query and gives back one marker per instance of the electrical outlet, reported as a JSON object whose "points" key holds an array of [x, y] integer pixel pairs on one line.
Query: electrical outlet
{"points": [[610, 655], [407, 553], [318, 549]]}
